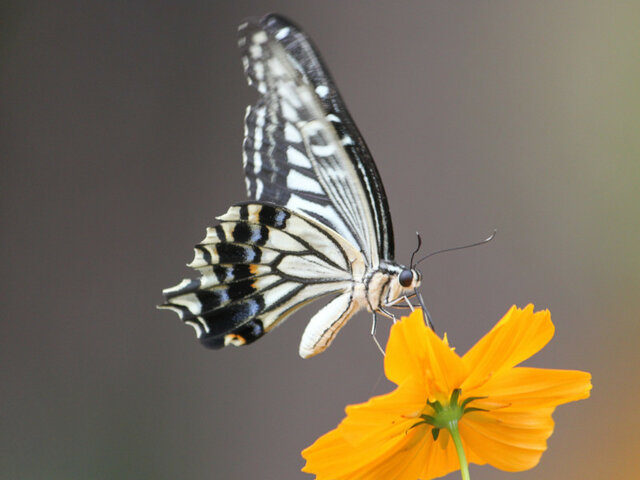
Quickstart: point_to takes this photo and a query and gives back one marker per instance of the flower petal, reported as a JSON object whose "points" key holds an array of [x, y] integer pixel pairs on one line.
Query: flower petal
{"points": [[413, 348], [520, 334], [331, 457], [442, 458], [511, 442], [406, 344], [514, 437], [531, 388], [385, 415]]}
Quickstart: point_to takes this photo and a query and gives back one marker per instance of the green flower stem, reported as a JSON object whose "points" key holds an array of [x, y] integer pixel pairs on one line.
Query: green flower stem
{"points": [[452, 426]]}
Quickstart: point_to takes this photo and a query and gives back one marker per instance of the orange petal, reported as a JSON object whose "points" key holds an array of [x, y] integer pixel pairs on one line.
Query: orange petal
{"points": [[519, 335], [332, 457], [441, 460], [508, 442], [530, 388], [384, 414], [407, 341], [415, 461], [414, 349]]}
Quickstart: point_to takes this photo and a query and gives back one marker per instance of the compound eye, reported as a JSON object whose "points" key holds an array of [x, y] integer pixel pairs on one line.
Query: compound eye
{"points": [[406, 278]]}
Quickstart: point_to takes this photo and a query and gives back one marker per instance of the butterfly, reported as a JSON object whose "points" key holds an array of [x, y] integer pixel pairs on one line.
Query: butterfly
{"points": [[317, 223]]}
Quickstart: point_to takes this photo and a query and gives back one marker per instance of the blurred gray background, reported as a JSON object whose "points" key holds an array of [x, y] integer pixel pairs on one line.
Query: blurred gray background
{"points": [[120, 140]]}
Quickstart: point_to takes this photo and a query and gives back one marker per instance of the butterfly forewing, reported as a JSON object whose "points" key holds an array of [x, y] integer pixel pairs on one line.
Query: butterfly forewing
{"points": [[301, 148]]}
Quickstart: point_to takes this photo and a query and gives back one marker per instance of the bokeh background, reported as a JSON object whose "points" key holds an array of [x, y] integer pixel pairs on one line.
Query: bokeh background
{"points": [[121, 126]]}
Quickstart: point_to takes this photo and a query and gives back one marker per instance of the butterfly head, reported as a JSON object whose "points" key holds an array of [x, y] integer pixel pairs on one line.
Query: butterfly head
{"points": [[407, 277], [408, 280]]}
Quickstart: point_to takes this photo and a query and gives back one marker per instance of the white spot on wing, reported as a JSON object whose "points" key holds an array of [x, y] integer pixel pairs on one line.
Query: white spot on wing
{"points": [[260, 37], [323, 150], [288, 112], [190, 301], [277, 293], [258, 70], [295, 157], [255, 51], [176, 288], [276, 67], [333, 118], [283, 33], [347, 140], [257, 139], [199, 257], [322, 91], [291, 133], [259, 188], [298, 181], [211, 237], [257, 162]]}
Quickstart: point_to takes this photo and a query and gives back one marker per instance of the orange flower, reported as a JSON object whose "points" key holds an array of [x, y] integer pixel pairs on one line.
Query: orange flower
{"points": [[502, 412]]}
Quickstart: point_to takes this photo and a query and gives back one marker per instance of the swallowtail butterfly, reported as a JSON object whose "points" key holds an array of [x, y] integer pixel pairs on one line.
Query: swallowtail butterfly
{"points": [[317, 223]]}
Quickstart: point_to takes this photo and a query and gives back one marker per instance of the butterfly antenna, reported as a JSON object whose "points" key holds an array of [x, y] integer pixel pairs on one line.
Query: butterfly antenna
{"points": [[416, 250], [482, 242]]}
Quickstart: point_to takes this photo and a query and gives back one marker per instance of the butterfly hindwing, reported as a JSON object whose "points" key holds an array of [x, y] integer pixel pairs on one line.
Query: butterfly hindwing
{"points": [[259, 265]]}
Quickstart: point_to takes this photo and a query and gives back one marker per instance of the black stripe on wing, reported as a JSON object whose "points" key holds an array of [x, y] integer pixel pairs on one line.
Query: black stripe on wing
{"points": [[278, 164]]}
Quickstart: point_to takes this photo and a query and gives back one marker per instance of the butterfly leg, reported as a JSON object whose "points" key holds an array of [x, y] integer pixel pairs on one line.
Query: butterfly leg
{"points": [[387, 313], [373, 333], [425, 312], [406, 299]]}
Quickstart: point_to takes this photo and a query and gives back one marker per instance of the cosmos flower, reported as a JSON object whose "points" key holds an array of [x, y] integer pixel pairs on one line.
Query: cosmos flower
{"points": [[481, 405]]}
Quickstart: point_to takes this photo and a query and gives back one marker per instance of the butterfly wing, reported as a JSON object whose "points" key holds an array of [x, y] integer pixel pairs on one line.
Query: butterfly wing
{"points": [[318, 220], [301, 147], [257, 267]]}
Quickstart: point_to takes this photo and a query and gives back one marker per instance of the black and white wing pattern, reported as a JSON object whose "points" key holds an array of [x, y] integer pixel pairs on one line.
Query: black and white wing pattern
{"points": [[302, 150], [317, 222], [258, 266]]}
